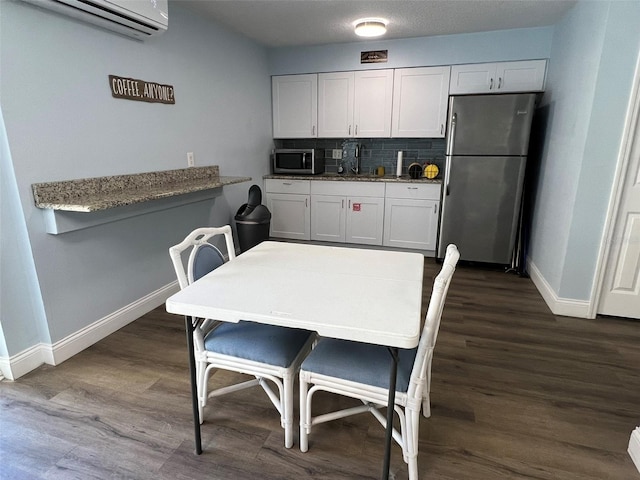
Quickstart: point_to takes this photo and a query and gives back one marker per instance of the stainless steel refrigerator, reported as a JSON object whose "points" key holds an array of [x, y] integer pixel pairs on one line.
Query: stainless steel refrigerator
{"points": [[486, 155]]}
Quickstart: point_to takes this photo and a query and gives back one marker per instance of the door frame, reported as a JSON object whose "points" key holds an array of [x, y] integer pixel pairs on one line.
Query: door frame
{"points": [[631, 131]]}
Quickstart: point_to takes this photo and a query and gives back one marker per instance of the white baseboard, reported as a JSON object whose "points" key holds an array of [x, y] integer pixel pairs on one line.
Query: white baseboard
{"points": [[634, 447], [559, 306], [18, 365], [54, 354]]}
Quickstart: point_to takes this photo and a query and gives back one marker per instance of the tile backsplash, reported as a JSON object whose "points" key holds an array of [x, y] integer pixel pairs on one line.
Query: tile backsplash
{"points": [[374, 152]]}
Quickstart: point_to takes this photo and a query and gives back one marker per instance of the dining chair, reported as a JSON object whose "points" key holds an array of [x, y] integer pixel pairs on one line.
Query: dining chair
{"points": [[361, 371], [269, 353]]}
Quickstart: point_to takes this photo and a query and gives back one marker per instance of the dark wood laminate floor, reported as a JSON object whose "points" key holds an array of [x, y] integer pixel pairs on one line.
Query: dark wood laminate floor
{"points": [[517, 393]]}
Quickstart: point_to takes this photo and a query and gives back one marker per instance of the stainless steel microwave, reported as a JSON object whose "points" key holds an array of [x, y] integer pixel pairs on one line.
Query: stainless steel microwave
{"points": [[298, 161]]}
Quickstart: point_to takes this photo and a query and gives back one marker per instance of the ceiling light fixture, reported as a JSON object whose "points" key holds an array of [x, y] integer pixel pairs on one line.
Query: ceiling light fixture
{"points": [[370, 27]]}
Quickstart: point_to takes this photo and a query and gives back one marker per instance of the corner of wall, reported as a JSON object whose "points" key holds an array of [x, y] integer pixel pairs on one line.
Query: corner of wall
{"points": [[566, 307], [54, 354]]}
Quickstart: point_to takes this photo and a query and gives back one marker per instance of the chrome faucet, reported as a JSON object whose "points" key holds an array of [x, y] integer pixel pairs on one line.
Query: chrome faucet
{"points": [[356, 169]]}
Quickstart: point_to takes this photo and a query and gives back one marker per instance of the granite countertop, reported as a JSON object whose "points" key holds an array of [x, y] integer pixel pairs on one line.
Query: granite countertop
{"points": [[349, 177], [102, 193]]}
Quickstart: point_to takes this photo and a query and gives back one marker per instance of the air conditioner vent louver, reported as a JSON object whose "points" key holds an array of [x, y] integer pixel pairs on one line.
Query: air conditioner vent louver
{"points": [[134, 18]]}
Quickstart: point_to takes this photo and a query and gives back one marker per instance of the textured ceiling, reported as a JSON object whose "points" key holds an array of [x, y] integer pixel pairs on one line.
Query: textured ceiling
{"points": [[279, 23]]}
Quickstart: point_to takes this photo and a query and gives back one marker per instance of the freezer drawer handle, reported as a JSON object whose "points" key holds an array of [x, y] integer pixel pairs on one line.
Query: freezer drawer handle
{"points": [[491, 84]]}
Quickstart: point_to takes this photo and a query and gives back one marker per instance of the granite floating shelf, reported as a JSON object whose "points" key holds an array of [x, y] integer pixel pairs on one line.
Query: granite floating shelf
{"points": [[107, 199]]}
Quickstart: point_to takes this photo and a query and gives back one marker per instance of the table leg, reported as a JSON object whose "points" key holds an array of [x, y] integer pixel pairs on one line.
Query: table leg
{"points": [[390, 410], [194, 389]]}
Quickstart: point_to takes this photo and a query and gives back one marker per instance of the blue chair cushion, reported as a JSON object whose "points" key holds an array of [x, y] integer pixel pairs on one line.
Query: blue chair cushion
{"points": [[206, 259], [268, 344], [360, 362]]}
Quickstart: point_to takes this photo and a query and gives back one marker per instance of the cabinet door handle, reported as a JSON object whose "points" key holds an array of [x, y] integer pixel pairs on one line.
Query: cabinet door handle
{"points": [[306, 202], [499, 82], [356, 130], [349, 204], [342, 203], [491, 84], [412, 188], [435, 208], [442, 129], [349, 129], [313, 130], [287, 183]]}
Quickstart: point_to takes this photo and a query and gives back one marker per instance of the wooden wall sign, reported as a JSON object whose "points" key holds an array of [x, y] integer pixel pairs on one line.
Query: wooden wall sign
{"points": [[141, 91], [374, 56]]}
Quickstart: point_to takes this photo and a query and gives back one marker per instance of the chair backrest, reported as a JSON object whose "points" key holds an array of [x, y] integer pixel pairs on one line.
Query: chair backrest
{"points": [[204, 257], [422, 363]]}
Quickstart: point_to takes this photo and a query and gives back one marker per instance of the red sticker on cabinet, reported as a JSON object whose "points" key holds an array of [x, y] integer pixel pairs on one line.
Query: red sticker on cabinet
{"points": [[356, 207]]}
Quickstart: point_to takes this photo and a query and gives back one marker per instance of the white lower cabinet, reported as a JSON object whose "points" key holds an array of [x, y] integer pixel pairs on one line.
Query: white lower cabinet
{"points": [[328, 218], [289, 204], [401, 215], [351, 212], [411, 215]]}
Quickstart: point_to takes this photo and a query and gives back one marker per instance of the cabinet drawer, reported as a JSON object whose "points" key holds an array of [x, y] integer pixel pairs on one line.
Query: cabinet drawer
{"points": [[346, 189], [300, 187], [426, 191]]}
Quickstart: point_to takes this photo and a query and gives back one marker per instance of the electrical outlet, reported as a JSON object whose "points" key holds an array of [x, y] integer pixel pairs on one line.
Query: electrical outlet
{"points": [[191, 161], [337, 154]]}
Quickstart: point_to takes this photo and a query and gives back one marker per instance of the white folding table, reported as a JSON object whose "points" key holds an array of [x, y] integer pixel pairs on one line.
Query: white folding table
{"points": [[371, 296]]}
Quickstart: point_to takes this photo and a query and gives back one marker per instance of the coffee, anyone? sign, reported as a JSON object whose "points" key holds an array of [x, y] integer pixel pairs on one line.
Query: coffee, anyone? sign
{"points": [[141, 91]]}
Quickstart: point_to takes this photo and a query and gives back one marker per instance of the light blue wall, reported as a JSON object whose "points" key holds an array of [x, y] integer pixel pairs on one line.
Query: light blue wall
{"points": [[620, 50], [526, 43], [62, 123], [21, 308], [593, 59], [571, 78]]}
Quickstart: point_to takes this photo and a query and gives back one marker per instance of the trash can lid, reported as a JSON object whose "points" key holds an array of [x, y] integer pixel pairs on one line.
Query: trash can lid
{"points": [[259, 214], [255, 196]]}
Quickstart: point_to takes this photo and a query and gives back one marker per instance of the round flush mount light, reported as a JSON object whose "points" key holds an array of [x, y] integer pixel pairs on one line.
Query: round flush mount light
{"points": [[370, 27]]}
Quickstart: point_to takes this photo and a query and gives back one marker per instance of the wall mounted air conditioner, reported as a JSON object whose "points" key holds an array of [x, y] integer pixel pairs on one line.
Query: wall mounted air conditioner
{"points": [[134, 18]]}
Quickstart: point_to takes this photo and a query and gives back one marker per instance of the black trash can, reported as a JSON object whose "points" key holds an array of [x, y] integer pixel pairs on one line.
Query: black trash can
{"points": [[253, 221]]}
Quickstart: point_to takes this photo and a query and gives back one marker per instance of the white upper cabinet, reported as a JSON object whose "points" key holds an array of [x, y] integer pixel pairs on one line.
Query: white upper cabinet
{"points": [[355, 104], [373, 101], [335, 104], [498, 77], [295, 106], [527, 76], [420, 102]]}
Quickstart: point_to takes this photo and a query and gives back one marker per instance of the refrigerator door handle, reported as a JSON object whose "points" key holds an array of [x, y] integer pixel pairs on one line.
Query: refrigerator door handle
{"points": [[447, 171], [452, 133]]}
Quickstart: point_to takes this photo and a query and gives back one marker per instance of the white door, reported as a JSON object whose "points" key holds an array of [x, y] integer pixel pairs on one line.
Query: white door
{"points": [[294, 105], [410, 223], [365, 217], [327, 218], [373, 101], [621, 289], [472, 78], [335, 105], [522, 76], [289, 216], [420, 97]]}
